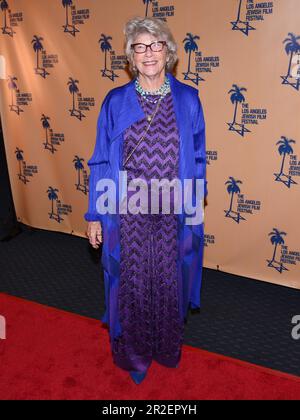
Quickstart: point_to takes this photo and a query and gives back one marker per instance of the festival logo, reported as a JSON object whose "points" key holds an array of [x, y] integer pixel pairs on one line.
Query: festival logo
{"points": [[253, 10], [17, 98], [285, 149], [77, 17], [117, 61], [10, 20], [147, 3], [83, 103], [209, 240], [160, 10], [203, 64], [25, 171], [48, 60], [286, 256], [60, 208], [211, 156], [51, 139], [292, 48], [243, 205], [105, 46], [79, 167], [249, 115]]}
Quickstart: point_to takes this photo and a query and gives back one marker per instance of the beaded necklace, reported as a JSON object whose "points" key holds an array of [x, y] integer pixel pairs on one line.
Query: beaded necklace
{"points": [[162, 91]]}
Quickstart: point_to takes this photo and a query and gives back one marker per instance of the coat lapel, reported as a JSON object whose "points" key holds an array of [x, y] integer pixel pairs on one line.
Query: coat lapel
{"points": [[129, 109], [176, 92]]}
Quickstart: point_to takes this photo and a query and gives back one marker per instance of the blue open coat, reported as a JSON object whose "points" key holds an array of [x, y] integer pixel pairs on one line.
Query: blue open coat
{"points": [[119, 110]]}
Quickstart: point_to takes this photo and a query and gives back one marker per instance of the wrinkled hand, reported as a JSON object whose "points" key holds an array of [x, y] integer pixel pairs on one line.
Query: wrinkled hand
{"points": [[94, 233]]}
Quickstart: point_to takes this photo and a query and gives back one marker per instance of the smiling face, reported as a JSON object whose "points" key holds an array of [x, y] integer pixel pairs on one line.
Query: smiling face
{"points": [[150, 64]]}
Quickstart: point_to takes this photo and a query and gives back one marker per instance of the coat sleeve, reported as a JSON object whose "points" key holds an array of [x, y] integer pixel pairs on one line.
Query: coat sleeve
{"points": [[199, 134], [98, 161]]}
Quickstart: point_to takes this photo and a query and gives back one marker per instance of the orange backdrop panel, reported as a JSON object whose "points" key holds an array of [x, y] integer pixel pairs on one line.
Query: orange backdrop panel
{"points": [[58, 59]]}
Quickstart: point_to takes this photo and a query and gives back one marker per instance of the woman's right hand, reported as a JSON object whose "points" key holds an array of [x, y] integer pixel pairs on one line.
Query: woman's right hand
{"points": [[94, 233]]}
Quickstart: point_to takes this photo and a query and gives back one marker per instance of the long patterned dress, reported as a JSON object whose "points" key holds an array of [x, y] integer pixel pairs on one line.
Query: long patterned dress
{"points": [[148, 289]]}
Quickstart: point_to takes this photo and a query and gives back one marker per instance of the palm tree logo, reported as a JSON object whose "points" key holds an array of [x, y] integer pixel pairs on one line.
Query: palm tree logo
{"points": [[46, 126], [6, 30], [22, 165], [284, 149], [52, 196], [78, 165], [190, 45], [239, 24], [68, 28], [233, 188], [106, 46], [12, 86], [73, 89], [236, 98], [276, 239], [292, 48], [147, 2], [37, 47]]}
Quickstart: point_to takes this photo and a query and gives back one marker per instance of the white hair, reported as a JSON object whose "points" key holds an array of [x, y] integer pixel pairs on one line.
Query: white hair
{"points": [[156, 27]]}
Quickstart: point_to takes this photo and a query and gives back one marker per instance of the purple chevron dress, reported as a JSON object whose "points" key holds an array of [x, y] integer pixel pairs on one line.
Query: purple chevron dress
{"points": [[148, 291]]}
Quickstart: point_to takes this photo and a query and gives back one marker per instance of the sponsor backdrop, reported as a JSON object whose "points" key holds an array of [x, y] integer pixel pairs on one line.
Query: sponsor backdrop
{"points": [[60, 57]]}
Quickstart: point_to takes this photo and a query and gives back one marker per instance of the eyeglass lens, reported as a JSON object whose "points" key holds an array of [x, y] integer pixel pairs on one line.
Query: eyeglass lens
{"points": [[155, 46]]}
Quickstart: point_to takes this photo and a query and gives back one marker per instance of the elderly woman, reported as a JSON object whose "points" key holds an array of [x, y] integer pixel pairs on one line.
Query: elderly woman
{"points": [[153, 128]]}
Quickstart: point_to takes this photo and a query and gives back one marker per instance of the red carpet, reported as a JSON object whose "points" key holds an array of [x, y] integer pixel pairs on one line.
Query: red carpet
{"points": [[53, 354]]}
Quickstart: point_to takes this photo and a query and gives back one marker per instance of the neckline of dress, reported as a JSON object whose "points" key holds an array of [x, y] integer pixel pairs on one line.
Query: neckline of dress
{"points": [[151, 96]]}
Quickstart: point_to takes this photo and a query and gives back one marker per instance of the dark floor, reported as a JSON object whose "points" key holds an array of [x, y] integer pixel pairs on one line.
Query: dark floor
{"points": [[242, 318]]}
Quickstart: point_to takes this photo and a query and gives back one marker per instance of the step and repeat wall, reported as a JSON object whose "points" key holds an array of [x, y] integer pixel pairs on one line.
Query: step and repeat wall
{"points": [[59, 58]]}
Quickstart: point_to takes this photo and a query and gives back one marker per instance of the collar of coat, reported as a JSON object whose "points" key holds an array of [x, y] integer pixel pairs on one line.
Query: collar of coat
{"points": [[125, 105]]}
